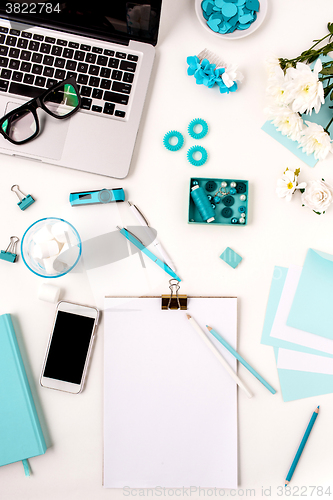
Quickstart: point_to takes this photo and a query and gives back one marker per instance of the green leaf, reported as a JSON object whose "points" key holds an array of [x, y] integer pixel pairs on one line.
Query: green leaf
{"points": [[297, 172], [318, 213], [330, 28], [328, 70], [312, 59]]}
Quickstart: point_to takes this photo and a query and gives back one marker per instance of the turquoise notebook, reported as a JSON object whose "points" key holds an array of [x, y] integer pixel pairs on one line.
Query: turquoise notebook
{"points": [[21, 435]]}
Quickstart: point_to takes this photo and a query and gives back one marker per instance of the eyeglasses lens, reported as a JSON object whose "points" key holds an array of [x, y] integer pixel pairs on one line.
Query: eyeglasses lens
{"points": [[20, 126], [61, 101]]}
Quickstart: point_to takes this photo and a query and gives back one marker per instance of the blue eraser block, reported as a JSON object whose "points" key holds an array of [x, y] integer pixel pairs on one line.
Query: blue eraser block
{"points": [[230, 257]]}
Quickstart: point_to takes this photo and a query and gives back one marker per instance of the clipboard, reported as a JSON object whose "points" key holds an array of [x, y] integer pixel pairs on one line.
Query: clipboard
{"points": [[170, 409]]}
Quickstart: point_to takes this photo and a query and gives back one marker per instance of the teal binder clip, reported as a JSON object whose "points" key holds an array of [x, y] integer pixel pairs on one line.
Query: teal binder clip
{"points": [[25, 200], [9, 254]]}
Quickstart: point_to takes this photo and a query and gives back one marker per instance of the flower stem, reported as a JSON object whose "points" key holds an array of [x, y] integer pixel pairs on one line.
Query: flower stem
{"points": [[328, 126]]}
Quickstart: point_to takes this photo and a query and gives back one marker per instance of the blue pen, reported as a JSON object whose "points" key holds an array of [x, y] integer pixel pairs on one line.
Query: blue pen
{"points": [[136, 242], [240, 359], [301, 446]]}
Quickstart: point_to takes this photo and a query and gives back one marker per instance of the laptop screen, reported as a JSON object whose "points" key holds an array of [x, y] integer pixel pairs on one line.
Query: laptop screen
{"points": [[113, 20]]}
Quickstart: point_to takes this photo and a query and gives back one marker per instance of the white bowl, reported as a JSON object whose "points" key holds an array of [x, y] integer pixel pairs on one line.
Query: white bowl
{"points": [[237, 33]]}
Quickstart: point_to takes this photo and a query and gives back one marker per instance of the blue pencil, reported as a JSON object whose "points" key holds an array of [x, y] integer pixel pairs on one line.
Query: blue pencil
{"points": [[301, 446], [241, 360]]}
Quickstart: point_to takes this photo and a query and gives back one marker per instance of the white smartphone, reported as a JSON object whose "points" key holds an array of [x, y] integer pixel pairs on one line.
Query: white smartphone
{"points": [[69, 348]]}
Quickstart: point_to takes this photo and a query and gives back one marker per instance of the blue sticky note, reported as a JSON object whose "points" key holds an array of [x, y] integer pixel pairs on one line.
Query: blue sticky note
{"points": [[278, 281], [311, 309], [230, 257], [294, 384]]}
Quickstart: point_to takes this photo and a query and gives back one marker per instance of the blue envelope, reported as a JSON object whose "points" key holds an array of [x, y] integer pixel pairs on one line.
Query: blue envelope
{"points": [[294, 384], [312, 308]]}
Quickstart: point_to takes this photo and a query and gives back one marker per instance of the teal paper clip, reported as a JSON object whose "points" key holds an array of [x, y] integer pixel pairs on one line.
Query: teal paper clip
{"points": [[9, 254], [25, 200]]}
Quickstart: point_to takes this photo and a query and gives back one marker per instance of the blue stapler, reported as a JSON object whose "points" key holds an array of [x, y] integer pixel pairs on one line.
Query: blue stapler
{"points": [[94, 197]]}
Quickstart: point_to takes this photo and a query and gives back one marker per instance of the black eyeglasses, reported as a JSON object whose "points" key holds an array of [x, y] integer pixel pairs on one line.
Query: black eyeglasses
{"points": [[60, 101]]}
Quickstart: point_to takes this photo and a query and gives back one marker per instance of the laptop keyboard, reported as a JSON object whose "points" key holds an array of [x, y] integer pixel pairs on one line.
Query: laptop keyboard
{"points": [[31, 63]]}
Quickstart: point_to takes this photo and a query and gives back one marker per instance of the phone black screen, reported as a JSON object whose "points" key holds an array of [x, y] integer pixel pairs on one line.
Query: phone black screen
{"points": [[69, 347]]}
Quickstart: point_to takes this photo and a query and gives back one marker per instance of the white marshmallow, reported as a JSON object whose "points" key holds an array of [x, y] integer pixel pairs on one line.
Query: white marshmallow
{"points": [[43, 234], [48, 265], [68, 255], [50, 293], [60, 232], [46, 249]]}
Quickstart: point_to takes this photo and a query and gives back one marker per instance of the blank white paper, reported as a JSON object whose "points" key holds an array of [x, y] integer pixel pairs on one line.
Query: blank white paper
{"points": [[282, 331], [170, 408], [302, 361]]}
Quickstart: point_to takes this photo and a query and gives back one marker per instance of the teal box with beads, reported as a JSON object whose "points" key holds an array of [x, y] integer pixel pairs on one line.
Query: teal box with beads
{"points": [[218, 201]]}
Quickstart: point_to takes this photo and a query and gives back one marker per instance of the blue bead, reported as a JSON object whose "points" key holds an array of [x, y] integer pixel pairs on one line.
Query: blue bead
{"points": [[242, 209], [216, 199], [233, 191], [234, 220], [209, 197], [213, 206]]}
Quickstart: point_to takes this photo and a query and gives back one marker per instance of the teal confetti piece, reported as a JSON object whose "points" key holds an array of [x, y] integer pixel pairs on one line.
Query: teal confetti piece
{"points": [[214, 24], [252, 5], [229, 10]]}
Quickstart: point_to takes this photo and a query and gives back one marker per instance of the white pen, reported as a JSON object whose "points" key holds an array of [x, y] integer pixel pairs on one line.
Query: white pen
{"points": [[219, 356], [143, 221]]}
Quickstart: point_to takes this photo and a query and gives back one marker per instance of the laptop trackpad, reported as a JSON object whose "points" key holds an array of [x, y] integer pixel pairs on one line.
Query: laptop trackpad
{"points": [[50, 141]]}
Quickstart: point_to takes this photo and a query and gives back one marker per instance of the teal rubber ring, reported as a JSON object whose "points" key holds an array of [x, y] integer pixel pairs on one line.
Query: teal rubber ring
{"points": [[170, 135], [197, 149], [194, 123]]}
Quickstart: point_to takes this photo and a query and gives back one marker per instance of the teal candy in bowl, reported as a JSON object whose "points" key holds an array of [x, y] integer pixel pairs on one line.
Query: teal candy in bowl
{"points": [[51, 247], [231, 19]]}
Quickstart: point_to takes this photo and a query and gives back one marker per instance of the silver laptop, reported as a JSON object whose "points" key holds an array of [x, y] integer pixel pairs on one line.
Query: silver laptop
{"points": [[109, 47]]}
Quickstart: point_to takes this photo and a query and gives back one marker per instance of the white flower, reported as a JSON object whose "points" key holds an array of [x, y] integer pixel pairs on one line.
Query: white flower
{"points": [[286, 121], [277, 86], [271, 63], [231, 75], [315, 140], [318, 196], [304, 90], [287, 185]]}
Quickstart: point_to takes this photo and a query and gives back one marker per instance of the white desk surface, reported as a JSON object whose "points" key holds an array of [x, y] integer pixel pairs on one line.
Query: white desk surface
{"points": [[278, 233]]}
